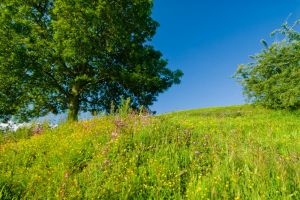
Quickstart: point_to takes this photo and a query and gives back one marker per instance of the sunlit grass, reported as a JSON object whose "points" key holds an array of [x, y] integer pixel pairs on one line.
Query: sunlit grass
{"points": [[236, 152]]}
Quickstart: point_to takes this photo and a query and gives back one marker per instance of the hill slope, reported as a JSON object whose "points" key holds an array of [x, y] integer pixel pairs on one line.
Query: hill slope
{"points": [[236, 152]]}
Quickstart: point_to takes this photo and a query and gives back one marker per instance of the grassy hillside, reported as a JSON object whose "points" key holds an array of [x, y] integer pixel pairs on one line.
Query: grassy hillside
{"points": [[218, 153]]}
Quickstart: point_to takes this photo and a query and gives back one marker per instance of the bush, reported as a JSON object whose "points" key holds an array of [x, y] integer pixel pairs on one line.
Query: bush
{"points": [[273, 79]]}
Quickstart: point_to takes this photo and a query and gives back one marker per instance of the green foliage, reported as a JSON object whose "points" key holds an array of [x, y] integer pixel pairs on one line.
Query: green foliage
{"points": [[25, 132], [273, 80], [217, 153], [58, 55], [124, 108]]}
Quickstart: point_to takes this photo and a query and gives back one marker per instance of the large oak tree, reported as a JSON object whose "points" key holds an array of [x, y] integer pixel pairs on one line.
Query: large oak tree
{"points": [[78, 55]]}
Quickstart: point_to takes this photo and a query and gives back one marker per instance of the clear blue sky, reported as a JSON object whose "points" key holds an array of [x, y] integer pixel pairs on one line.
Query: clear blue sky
{"points": [[207, 39]]}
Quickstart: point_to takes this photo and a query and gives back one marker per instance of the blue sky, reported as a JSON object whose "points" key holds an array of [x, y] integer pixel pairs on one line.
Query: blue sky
{"points": [[207, 39]]}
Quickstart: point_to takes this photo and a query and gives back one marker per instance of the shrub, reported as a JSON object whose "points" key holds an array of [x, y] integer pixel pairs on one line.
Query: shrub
{"points": [[273, 79]]}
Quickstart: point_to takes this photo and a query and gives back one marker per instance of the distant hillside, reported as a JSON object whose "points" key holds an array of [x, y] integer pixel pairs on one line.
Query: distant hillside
{"points": [[238, 152]]}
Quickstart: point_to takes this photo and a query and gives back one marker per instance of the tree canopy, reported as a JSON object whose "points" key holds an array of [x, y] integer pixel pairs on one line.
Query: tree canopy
{"points": [[273, 79], [78, 55]]}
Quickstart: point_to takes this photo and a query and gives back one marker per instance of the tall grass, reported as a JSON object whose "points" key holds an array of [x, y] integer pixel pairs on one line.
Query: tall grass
{"points": [[219, 153]]}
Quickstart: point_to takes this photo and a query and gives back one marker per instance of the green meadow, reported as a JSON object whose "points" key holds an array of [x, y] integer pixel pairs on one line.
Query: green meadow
{"points": [[239, 152]]}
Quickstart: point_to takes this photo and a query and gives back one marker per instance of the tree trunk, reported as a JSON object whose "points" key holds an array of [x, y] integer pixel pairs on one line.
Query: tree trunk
{"points": [[74, 105]]}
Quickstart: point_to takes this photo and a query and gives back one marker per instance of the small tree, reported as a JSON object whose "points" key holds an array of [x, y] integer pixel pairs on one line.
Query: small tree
{"points": [[78, 55], [273, 79]]}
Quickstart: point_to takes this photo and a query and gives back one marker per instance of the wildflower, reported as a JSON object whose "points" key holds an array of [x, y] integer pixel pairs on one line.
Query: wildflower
{"points": [[114, 134], [66, 175], [197, 153], [37, 130], [106, 162]]}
